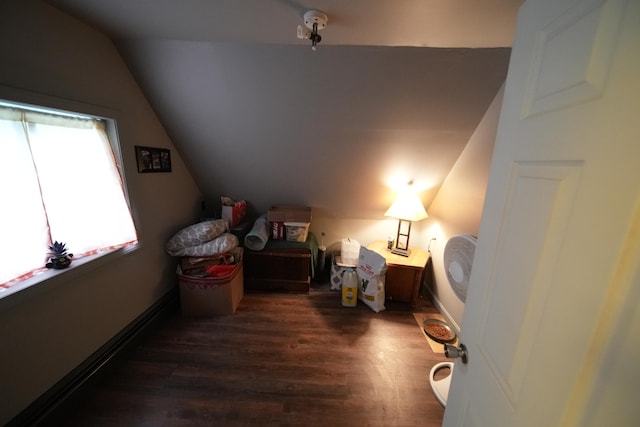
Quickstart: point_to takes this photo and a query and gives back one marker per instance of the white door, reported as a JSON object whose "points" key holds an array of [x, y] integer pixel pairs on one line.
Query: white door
{"points": [[550, 326]]}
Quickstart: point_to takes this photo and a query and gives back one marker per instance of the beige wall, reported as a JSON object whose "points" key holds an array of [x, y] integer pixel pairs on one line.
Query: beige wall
{"points": [[340, 129], [457, 208], [46, 331]]}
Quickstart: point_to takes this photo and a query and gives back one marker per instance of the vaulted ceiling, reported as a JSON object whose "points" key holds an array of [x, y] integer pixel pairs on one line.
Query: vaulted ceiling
{"points": [[393, 92], [417, 23]]}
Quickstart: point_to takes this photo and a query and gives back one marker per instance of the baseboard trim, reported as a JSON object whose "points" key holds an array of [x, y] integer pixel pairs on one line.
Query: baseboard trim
{"points": [[428, 285], [443, 310], [50, 407]]}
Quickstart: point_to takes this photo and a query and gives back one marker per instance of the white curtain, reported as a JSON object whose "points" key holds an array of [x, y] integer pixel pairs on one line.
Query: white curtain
{"points": [[60, 183]]}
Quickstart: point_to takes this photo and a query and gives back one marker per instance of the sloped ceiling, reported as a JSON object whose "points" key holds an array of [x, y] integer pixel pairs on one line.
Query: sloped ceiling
{"points": [[392, 94]]}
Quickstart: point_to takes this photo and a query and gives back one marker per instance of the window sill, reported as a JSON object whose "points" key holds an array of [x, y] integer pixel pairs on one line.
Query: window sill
{"points": [[48, 279]]}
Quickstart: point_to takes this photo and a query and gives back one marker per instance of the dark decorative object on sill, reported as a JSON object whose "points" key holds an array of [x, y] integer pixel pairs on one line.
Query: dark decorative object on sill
{"points": [[59, 257]]}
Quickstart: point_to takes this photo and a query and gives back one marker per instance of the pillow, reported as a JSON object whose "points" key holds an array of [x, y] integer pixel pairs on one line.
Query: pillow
{"points": [[197, 234], [224, 243]]}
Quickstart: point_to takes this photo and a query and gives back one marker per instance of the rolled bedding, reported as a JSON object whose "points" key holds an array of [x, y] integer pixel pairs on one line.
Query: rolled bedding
{"points": [[221, 244], [257, 238], [205, 238]]}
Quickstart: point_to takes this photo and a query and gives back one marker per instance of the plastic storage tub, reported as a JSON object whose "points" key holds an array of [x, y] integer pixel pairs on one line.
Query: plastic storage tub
{"points": [[297, 231]]}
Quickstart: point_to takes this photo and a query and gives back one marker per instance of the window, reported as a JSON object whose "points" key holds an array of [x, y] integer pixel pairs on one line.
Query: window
{"points": [[60, 182]]}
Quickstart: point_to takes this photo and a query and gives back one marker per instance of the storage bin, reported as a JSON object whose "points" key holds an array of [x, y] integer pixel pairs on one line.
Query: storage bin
{"points": [[336, 273], [211, 296], [297, 231]]}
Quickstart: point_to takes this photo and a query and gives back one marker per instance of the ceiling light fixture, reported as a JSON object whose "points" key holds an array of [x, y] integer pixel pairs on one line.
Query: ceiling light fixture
{"points": [[314, 21]]}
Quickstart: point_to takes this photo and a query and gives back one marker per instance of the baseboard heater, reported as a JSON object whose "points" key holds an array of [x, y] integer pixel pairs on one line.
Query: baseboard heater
{"points": [[54, 403]]}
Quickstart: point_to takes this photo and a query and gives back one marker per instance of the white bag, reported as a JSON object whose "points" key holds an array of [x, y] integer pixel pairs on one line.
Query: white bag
{"points": [[372, 268]]}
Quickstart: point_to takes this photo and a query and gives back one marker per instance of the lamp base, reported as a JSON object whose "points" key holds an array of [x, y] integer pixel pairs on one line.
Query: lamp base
{"points": [[402, 252], [402, 239]]}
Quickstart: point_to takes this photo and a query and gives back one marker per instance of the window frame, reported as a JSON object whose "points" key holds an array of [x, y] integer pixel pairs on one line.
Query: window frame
{"points": [[51, 278]]}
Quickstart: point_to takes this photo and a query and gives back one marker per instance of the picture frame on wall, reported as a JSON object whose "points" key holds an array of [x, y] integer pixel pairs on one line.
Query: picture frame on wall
{"points": [[152, 159]]}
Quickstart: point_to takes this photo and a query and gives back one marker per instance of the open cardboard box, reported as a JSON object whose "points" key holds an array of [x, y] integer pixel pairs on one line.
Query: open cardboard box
{"points": [[211, 296]]}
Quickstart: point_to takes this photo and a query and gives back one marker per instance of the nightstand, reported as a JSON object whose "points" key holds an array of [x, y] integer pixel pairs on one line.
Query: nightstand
{"points": [[404, 274]]}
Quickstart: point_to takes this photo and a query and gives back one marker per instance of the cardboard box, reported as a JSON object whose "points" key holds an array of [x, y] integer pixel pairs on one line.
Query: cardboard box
{"points": [[282, 213], [234, 214], [211, 296]]}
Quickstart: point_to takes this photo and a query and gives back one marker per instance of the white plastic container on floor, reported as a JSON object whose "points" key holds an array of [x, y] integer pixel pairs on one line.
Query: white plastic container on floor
{"points": [[350, 288]]}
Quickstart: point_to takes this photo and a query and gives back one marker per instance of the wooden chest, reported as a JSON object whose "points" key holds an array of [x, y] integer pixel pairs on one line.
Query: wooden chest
{"points": [[282, 269]]}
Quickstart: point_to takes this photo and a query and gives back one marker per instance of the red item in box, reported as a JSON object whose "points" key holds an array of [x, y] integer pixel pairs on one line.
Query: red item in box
{"points": [[277, 231], [220, 270], [211, 296]]}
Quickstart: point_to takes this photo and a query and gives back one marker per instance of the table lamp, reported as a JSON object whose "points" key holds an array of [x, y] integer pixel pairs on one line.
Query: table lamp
{"points": [[406, 208]]}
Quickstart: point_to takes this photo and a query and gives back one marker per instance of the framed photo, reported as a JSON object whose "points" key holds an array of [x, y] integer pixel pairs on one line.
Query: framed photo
{"points": [[153, 159]]}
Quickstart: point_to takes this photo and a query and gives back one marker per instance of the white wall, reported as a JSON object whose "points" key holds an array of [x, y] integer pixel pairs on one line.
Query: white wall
{"points": [[364, 231], [457, 208], [49, 58]]}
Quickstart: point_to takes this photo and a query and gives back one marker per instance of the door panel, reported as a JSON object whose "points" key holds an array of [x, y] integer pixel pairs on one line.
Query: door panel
{"points": [[572, 54], [547, 293], [521, 269]]}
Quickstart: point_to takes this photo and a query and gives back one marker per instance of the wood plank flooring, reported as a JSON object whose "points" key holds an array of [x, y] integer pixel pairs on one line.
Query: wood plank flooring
{"points": [[281, 360]]}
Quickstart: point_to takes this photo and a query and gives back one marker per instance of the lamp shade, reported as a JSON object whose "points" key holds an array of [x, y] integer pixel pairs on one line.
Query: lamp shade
{"points": [[407, 207]]}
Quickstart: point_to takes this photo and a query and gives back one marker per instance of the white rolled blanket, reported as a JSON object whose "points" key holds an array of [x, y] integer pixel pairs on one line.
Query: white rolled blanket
{"points": [[205, 238], [258, 237]]}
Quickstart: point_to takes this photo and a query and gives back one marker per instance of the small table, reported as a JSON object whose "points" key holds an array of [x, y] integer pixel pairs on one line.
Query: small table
{"points": [[404, 274]]}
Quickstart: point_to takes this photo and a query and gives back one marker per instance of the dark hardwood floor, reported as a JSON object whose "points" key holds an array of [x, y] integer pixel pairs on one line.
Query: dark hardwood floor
{"points": [[280, 360]]}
